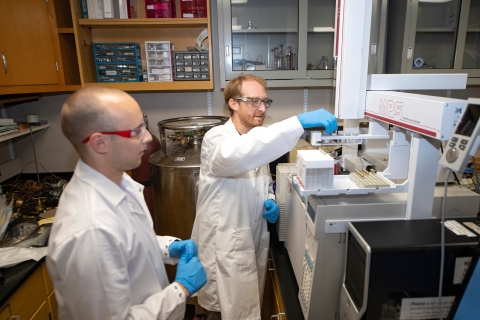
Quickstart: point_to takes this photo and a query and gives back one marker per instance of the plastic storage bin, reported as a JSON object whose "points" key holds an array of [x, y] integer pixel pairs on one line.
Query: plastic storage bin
{"points": [[118, 62], [158, 8], [159, 61], [193, 8], [191, 65]]}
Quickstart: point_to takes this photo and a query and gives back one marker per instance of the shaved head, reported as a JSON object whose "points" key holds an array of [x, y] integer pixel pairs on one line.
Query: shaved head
{"points": [[90, 110]]}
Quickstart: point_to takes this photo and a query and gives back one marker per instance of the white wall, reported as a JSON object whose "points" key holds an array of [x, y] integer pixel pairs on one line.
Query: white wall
{"points": [[55, 153]]}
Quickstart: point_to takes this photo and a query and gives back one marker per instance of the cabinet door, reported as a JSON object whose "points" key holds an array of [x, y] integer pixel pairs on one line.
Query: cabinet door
{"points": [[43, 313], [471, 51], [29, 297], [261, 37], [433, 35], [287, 42], [320, 38], [26, 45], [422, 36]]}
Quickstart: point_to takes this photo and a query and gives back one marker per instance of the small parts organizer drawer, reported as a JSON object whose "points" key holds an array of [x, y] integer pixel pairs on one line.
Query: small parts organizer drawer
{"points": [[159, 61], [191, 65], [118, 62]]}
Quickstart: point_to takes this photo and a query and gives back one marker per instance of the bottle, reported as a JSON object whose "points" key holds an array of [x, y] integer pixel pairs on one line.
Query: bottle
{"points": [[279, 58], [271, 60], [289, 58], [145, 76], [275, 54]]}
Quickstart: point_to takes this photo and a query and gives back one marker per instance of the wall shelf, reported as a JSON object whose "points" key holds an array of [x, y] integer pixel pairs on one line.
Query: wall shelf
{"points": [[156, 86], [23, 132], [181, 32], [144, 23]]}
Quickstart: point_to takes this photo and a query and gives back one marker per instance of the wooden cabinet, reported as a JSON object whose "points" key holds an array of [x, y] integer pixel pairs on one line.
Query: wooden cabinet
{"points": [[272, 303], [182, 32], [33, 44], [34, 299]]}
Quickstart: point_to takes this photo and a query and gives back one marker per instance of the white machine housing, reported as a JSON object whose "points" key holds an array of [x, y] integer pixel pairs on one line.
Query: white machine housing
{"points": [[427, 115], [315, 237]]}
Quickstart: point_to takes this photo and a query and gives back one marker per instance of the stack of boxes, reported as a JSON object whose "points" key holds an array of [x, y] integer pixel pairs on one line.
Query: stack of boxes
{"points": [[315, 169], [122, 62], [118, 62]]}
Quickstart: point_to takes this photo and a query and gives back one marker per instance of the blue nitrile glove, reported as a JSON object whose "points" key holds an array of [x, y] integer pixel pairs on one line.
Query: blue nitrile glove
{"points": [[272, 211], [185, 247], [191, 274], [318, 118]]}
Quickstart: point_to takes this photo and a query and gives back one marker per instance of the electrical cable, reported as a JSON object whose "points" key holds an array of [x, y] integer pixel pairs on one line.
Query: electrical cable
{"points": [[442, 249]]}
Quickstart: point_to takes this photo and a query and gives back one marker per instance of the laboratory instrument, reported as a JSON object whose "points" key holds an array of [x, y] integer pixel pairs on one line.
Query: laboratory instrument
{"points": [[392, 269], [464, 142]]}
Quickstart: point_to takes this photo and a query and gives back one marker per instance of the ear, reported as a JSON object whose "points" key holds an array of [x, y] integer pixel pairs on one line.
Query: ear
{"points": [[233, 104], [99, 143]]}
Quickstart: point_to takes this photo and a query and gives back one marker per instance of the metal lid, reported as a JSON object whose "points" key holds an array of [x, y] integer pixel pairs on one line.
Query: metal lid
{"points": [[192, 123]]}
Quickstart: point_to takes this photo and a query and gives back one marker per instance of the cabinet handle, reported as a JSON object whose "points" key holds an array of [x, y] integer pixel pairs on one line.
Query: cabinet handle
{"points": [[4, 63], [409, 53], [277, 316], [270, 261], [227, 51], [10, 317]]}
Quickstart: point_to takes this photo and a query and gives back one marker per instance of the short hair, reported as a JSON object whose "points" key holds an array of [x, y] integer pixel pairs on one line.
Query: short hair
{"points": [[234, 87], [85, 112]]}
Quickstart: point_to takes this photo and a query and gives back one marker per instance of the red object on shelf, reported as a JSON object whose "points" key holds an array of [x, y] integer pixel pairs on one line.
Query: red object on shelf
{"points": [[158, 8], [193, 8]]}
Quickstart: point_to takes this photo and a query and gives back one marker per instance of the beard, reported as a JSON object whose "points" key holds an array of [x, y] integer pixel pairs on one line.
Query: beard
{"points": [[252, 121]]}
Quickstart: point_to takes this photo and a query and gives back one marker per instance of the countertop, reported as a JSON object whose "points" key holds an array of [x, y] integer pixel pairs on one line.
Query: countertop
{"points": [[286, 277], [15, 276]]}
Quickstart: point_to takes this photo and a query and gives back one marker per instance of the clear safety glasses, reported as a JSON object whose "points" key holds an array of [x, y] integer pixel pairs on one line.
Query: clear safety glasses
{"points": [[256, 102]]}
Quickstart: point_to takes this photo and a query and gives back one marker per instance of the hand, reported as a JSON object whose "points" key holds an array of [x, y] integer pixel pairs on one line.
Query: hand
{"points": [[318, 118], [191, 274], [272, 211], [186, 247]]}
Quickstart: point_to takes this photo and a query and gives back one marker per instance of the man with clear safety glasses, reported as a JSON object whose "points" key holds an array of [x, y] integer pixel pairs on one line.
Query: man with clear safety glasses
{"points": [[235, 197], [103, 255]]}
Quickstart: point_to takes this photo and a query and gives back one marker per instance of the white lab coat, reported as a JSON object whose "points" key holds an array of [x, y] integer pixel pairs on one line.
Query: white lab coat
{"points": [[229, 228], [104, 257]]}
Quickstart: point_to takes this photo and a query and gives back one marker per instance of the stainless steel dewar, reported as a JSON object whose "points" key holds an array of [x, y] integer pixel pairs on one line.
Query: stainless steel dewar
{"points": [[175, 170]]}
